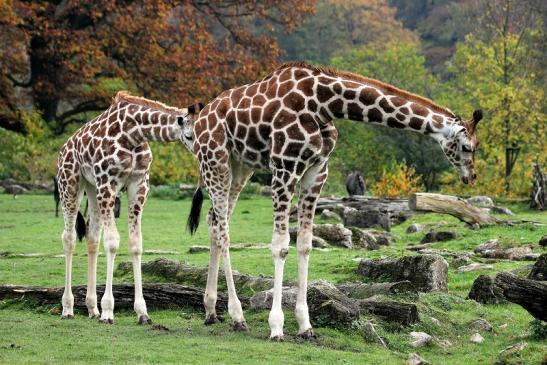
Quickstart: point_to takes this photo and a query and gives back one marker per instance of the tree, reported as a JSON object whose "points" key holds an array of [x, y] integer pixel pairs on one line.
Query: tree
{"points": [[502, 67], [66, 58], [340, 25], [401, 65]]}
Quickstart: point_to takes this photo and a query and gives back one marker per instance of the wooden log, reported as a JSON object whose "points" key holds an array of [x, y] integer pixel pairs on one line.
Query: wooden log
{"points": [[403, 313], [365, 290], [529, 294], [539, 189], [447, 204], [159, 296]]}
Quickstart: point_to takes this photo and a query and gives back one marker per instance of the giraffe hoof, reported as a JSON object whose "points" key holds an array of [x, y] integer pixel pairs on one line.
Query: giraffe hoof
{"points": [[308, 334], [278, 338], [240, 326], [107, 321], [67, 316], [213, 319], [144, 319]]}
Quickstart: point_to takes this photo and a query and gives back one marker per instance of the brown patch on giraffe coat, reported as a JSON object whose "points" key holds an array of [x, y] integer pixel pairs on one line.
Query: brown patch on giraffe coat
{"points": [[243, 116], [278, 142], [264, 131], [251, 90], [337, 88], [394, 123], [306, 86], [437, 121], [222, 108], [284, 88], [385, 105], [400, 116], [312, 105], [294, 132], [350, 94], [259, 100], [324, 93], [374, 115], [285, 75], [270, 110], [300, 74], [404, 110], [308, 123], [416, 123], [235, 97], [283, 119], [368, 96], [293, 149], [294, 101], [271, 92], [355, 112], [419, 110], [337, 108], [350, 85], [256, 115], [263, 86], [253, 140]]}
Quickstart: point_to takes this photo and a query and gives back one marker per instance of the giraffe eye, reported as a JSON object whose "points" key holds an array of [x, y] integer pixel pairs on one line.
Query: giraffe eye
{"points": [[466, 149], [180, 121]]}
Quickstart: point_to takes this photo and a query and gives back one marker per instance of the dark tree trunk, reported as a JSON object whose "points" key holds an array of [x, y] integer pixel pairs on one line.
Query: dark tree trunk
{"points": [[530, 294], [539, 189]]}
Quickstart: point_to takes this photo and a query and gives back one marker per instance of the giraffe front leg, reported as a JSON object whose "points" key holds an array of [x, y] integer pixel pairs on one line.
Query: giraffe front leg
{"points": [[137, 193], [69, 242], [282, 192], [111, 241], [92, 237], [311, 185]]}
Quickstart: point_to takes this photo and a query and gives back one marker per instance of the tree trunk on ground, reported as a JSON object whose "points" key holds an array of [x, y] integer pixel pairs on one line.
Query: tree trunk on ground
{"points": [[530, 294], [363, 290], [447, 204], [391, 311], [155, 295]]}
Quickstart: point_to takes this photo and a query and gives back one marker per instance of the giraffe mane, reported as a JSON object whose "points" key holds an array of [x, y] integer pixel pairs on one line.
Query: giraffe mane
{"points": [[124, 95], [334, 72]]}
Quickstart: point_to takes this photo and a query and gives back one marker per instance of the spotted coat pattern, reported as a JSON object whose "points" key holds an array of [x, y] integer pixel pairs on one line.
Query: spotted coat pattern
{"points": [[284, 123], [107, 154]]}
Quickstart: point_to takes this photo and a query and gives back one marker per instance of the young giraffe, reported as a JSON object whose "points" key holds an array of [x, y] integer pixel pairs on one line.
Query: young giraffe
{"points": [[284, 123], [107, 154]]}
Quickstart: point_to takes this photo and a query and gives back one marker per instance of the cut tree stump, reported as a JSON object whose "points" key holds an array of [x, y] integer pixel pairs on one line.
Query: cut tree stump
{"points": [[447, 204], [529, 294], [156, 295]]}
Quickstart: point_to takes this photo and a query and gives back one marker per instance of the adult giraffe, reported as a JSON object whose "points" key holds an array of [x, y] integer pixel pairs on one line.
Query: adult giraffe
{"points": [[107, 154], [284, 123]]}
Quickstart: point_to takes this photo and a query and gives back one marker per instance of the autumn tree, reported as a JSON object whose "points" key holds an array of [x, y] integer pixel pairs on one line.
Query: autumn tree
{"points": [[66, 58]]}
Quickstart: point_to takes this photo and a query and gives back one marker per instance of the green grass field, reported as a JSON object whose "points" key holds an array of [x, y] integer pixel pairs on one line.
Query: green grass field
{"points": [[37, 335]]}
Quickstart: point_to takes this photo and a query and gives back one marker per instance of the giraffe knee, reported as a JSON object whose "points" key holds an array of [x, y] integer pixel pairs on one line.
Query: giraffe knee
{"points": [[111, 241], [304, 242], [69, 240], [280, 246]]}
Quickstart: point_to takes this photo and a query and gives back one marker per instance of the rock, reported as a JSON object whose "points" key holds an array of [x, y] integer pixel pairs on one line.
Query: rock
{"points": [[366, 219], [501, 210], [481, 201], [318, 242], [543, 241], [439, 236], [477, 338], [195, 249], [334, 234], [370, 239], [459, 261], [365, 290], [263, 299], [435, 321], [420, 339], [485, 291], [328, 214], [514, 348], [329, 307], [539, 271], [481, 324], [474, 267], [415, 359], [370, 334], [15, 189], [416, 227], [492, 249], [425, 272]]}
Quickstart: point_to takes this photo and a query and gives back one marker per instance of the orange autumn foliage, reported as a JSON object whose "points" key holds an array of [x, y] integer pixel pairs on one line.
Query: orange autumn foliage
{"points": [[399, 182]]}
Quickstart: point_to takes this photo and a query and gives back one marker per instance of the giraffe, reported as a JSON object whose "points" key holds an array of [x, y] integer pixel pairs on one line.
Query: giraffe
{"points": [[105, 155], [284, 123]]}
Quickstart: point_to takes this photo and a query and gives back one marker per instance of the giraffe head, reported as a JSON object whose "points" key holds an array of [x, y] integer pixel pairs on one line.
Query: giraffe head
{"points": [[186, 122], [459, 146]]}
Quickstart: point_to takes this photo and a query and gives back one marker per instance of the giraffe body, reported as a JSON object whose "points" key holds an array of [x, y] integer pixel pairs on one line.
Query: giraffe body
{"points": [[284, 123], [105, 155]]}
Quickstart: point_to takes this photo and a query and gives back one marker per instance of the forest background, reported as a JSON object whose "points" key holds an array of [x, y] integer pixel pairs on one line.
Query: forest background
{"points": [[61, 62]]}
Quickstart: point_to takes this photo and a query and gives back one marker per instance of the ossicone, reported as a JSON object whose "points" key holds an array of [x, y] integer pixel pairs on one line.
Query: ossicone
{"points": [[195, 108], [477, 116]]}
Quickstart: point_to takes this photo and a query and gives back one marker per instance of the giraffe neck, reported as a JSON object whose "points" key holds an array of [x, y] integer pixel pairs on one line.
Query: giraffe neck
{"points": [[147, 124], [382, 104]]}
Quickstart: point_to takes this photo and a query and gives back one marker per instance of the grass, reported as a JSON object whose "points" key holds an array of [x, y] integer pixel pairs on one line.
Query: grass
{"points": [[37, 335]]}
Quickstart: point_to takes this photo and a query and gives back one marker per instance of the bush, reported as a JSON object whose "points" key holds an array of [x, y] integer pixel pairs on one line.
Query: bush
{"points": [[400, 182]]}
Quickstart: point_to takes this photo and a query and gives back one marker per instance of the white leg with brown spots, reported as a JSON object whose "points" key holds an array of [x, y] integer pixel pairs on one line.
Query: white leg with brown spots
{"points": [[137, 192], [210, 297], [111, 240], [93, 237], [282, 193], [311, 184]]}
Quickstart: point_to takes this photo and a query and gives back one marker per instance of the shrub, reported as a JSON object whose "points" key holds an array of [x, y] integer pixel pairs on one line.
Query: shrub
{"points": [[401, 181]]}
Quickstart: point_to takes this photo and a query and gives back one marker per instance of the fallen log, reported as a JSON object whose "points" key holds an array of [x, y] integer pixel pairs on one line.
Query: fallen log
{"points": [[187, 274], [529, 294], [159, 296], [447, 204], [364, 290]]}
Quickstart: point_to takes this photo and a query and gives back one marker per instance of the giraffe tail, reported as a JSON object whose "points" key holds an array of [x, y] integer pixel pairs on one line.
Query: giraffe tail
{"points": [[80, 226], [195, 211]]}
